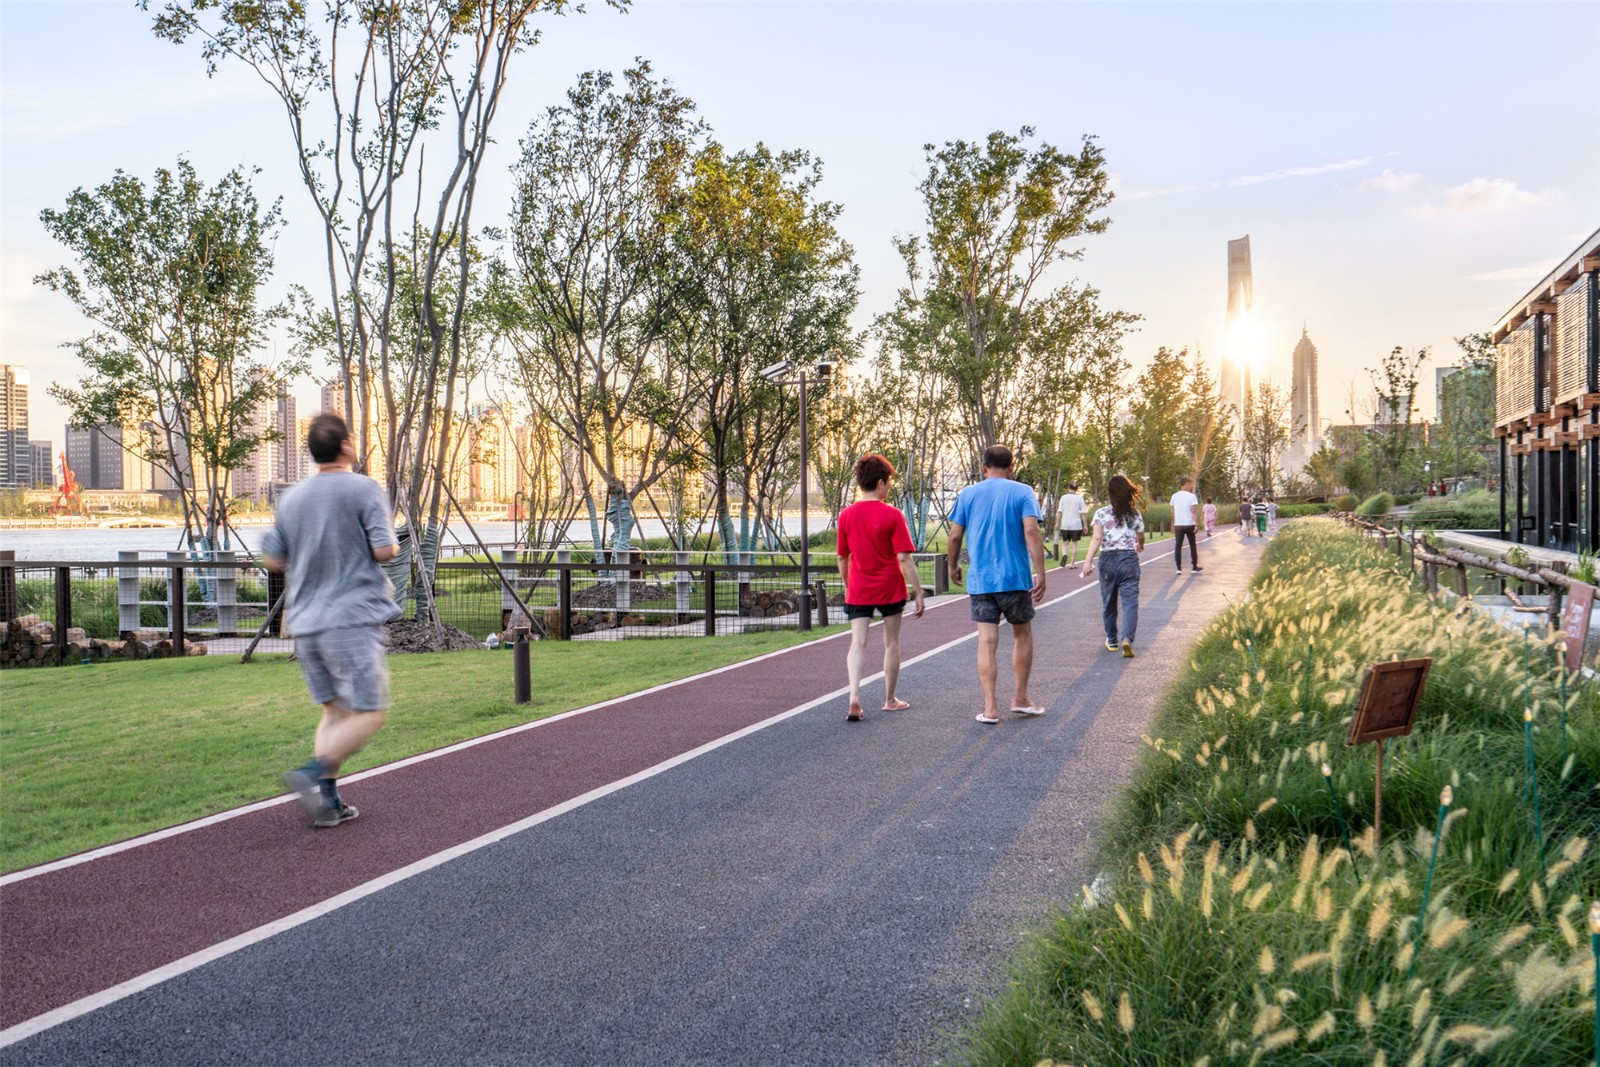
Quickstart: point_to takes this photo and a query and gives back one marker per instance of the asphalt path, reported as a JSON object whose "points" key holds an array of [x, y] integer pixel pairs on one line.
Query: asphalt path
{"points": [[712, 873]]}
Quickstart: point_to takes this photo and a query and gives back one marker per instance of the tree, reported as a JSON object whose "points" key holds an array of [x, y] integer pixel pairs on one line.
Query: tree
{"points": [[1394, 431], [770, 279], [1467, 415], [367, 90], [1156, 432], [596, 279], [977, 309], [171, 276], [1323, 468], [1265, 430], [1206, 432]]}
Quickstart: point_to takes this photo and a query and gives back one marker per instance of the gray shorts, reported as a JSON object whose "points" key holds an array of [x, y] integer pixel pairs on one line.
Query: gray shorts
{"points": [[1015, 604], [349, 666]]}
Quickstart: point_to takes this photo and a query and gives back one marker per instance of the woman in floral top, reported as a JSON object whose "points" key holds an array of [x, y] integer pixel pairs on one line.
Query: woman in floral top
{"points": [[1119, 538]]}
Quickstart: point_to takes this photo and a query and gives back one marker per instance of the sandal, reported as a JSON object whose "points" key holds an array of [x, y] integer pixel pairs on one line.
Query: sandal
{"points": [[898, 705], [855, 714], [988, 720]]}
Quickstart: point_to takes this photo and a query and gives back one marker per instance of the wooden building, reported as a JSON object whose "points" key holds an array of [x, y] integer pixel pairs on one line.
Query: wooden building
{"points": [[1547, 407]]}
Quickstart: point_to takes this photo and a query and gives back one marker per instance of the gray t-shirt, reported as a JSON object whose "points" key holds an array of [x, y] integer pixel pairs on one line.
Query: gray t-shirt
{"points": [[326, 529]]}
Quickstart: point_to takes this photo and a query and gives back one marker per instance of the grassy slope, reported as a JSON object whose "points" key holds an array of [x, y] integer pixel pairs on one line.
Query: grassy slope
{"points": [[1233, 928], [97, 754]]}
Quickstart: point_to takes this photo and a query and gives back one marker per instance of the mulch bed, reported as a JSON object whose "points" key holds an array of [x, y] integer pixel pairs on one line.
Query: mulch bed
{"points": [[409, 635]]}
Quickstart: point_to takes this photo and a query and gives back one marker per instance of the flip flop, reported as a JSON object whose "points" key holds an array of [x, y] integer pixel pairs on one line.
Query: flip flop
{"points": [[898, 705], [987, 720], [1027, 711], [854, 714]]}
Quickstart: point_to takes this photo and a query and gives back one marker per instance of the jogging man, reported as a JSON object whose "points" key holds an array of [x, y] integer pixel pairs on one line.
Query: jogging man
{"points": [[1069, 521], [332, 531], [1001, 519], [1184, 506]]}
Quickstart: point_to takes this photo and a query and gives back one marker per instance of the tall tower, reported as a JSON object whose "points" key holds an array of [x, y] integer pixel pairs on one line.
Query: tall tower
{"points": [[1305, 411], [16, 461], [1235, 377]]}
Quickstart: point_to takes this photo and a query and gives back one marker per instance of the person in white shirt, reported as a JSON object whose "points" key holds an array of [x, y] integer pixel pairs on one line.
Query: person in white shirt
{"points": [[1184, 507], [1069, 521]]}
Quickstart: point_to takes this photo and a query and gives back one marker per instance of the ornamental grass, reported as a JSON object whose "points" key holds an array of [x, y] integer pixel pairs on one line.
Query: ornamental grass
{"points": [[1232, 924]]}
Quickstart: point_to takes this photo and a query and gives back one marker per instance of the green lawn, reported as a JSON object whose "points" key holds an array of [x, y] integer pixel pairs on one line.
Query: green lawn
{"points": [[97, 754]]}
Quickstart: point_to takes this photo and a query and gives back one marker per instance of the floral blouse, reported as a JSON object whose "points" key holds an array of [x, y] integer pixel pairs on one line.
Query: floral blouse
{"points": [[1116, 538]]}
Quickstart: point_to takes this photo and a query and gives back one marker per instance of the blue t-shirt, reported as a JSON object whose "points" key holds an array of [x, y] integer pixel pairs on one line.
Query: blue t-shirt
{"points": [[993, 513]]}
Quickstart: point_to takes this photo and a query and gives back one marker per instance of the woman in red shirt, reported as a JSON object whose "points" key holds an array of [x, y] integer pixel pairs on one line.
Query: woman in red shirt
{"points": [[875, 563]]}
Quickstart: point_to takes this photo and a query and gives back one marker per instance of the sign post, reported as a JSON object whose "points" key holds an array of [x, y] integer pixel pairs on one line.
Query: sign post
{"points": [[1387, 707], [1575, 624]]}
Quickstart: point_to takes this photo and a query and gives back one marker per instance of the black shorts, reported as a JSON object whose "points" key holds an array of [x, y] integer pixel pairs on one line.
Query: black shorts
{"points": [[864, 611], [1015, 604], [1071, 535]]}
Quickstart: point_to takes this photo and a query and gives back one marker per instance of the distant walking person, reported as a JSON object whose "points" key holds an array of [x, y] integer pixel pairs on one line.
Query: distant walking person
{"points": [[332, 531], [1210, 514], [1261, 513], [1184, 507], [875, 562], [1247, 517], [998, 520], [1118, 538], [1069, 521]]}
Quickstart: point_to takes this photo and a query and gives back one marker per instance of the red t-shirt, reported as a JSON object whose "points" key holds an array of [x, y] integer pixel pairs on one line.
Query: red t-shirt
{"points": [[872, 533]]}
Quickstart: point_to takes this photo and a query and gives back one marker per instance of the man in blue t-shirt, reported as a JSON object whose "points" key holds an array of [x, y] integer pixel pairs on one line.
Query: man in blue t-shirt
{"points": [[998, 520]]}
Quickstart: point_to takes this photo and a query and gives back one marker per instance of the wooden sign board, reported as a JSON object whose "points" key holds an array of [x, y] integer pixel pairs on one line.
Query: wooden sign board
{"points": [[1575, 623], [1390, 695]]}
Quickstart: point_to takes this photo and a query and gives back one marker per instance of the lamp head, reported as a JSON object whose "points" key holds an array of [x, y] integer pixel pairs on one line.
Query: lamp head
{"points": [[773, 372]]}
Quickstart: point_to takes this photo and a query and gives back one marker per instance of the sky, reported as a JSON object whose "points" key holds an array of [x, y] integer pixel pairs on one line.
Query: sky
{"points": [[1405, 171]]}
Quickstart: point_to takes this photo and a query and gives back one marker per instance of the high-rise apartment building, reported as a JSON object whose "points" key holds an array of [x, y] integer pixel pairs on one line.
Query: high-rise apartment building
{"points": [[1305, 411], [41, 464], [1235, 378], [107, 456], [16, 464], [276, 457]]}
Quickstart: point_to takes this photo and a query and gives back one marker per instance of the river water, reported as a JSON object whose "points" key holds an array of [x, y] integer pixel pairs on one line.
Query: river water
{"points": [[101, 544]]}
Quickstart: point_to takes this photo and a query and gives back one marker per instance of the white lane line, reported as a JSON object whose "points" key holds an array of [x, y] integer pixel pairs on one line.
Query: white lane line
{"points": [[82, 1006], [261, 805]]}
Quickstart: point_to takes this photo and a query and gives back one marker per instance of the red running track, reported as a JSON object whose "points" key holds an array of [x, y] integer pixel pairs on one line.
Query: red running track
{"points": [[79, 930]]}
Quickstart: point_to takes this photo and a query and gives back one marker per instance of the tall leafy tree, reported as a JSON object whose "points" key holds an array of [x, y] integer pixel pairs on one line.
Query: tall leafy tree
{"points": [[389, 110], [1265, 429], [170, 274], [597, 279], [771, 280], [1395, 433], [1467, 403], [978, 306], [1158, 405]]}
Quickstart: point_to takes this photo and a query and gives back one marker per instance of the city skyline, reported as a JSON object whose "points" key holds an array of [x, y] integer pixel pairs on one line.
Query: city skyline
{"points": [[1378, 212]]}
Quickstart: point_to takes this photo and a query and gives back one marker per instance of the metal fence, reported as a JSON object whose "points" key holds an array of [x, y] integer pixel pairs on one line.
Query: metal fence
{"points": [[177, 600]]}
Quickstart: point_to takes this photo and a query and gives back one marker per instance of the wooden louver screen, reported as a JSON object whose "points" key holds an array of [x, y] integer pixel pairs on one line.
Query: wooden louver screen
{"points": [[1571, 336], [1514, 383]]}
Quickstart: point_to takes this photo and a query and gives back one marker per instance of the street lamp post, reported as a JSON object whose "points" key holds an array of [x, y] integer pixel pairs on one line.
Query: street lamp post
{"points": [[777, 374]]}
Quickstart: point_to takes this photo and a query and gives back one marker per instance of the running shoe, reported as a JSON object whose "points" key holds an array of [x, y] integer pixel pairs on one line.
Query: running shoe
{"points": [[303, 781], [1127, 648], [1111, 646], [330, 815]]}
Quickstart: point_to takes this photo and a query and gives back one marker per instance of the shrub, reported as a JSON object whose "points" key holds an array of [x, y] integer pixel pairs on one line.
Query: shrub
{"points": [[1377, 504], [1232, 926], [1300, 511], [1347, 502], [1158, 517]]}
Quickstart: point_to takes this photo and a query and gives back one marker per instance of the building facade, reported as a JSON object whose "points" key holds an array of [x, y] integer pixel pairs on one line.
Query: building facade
{"points": [[107, 456], [41, 464], [1547, 407], [16, 462], [1235, 376], [1305, 409]]}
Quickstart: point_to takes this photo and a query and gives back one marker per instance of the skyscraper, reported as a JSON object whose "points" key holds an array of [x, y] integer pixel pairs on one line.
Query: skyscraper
{"points": [[1305, 411], [16, 462], [1235, 377]]}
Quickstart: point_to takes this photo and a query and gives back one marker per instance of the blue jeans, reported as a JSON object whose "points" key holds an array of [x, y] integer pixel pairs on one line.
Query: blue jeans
{"points": [[1119, 581]]}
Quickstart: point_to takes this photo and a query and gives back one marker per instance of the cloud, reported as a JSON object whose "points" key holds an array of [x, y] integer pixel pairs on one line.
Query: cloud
{"points": [[1392, 181], [1486, 196], [1282, 174], [1531, 273]]}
